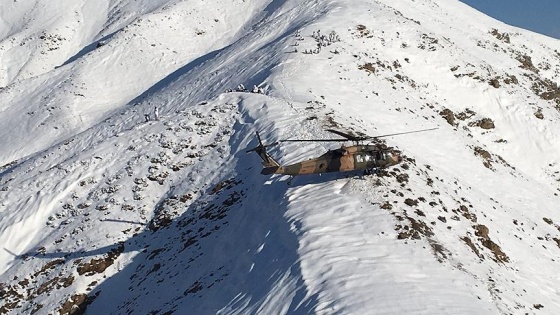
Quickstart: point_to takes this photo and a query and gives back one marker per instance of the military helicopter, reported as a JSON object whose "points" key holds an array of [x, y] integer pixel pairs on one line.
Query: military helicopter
{"points": [[368, 157]]}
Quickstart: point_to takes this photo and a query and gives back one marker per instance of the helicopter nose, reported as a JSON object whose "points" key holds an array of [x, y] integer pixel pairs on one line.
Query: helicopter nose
{"points": [[396, 158]]}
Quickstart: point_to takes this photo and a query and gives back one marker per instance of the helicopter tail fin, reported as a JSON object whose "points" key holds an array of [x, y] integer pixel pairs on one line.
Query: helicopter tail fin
{"points": [[270, 165]]}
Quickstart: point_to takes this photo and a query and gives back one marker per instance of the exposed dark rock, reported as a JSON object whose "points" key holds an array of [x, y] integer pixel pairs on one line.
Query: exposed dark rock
{"points": [[538, 306], [511, 79], [466, 114], [402, 178], [504, 37], [485, 155], [486, 123], [482, 232], [77, 304], [368, 67], [411, 202], [494, 82], [538, 113], [449, 116], [527, 63], [99, 265], [439, 251], [386, 206], [472, 246], [547, 90], [195, 287]]}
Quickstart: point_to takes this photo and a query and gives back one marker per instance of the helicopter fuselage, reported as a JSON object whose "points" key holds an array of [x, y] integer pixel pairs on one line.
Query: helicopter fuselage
{"points": [[356, 157], [348, 158]]}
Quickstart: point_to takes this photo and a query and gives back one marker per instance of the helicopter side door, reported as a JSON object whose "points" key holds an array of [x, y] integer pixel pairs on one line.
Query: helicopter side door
{"points": [[363, 160], [339, 160]]}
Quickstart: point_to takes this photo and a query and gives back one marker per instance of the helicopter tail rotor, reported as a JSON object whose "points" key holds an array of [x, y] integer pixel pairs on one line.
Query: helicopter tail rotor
{"points": [[267, 161]]}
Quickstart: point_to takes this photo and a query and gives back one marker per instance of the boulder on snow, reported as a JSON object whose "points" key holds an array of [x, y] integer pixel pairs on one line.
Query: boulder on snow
{"points": [[486, 123]]}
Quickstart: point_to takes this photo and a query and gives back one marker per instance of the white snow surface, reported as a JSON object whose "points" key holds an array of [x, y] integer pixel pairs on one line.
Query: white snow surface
{"points": [[103, 211]]}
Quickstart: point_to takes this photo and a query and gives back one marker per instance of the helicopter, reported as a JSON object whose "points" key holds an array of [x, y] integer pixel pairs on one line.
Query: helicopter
{"points": [[359, 156]]}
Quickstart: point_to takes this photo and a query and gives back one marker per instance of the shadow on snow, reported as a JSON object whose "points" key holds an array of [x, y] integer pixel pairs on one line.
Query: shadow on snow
{"points": [[245, 261]]}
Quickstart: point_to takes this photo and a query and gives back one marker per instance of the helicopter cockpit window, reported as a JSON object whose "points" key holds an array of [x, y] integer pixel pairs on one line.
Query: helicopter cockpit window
{"points": [[364, 158], [339, 152]]}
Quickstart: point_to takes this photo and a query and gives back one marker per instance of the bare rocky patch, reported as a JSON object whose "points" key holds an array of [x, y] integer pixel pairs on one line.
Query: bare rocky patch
{"points": [[449, 116], [483, 237], [484, 123], [368, 67], [429, 43], [538, 113], [527, 63], [455, 118], [486, 156], [76, 304], [504, 37], [169, 209], [550, 222], [488, 159], [98, 265], [472, 246], [547, 90], [362, 31], [413, 229]]}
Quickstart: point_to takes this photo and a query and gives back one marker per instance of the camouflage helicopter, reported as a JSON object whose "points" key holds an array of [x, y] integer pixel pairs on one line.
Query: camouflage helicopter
{"points": [[359, 156]]}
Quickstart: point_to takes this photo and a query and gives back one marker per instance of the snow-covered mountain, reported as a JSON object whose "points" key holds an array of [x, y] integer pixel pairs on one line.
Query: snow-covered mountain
{"points": [[106, 210]]}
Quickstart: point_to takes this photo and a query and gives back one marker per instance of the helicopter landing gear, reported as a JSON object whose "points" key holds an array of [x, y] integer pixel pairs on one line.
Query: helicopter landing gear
{"points": [[289, 182], [369, 171]]}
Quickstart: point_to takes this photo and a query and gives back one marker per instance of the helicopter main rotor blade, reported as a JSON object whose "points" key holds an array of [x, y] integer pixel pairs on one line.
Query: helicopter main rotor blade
{"points": [[314, 140], [347, 136], [351, 137], [402, 133]]}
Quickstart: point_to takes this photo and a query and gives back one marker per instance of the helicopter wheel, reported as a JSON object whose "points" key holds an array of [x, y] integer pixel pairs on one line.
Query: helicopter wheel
{"points": [[370, 171]]}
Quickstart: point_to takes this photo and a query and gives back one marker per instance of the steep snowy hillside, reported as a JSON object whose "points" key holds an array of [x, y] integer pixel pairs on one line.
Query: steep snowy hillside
{"points": [[104, 211], [67, 69]]}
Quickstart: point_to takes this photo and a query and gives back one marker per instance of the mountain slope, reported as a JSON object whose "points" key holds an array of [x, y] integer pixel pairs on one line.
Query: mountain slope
{"points": [[114, 214], [94, 74]]}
